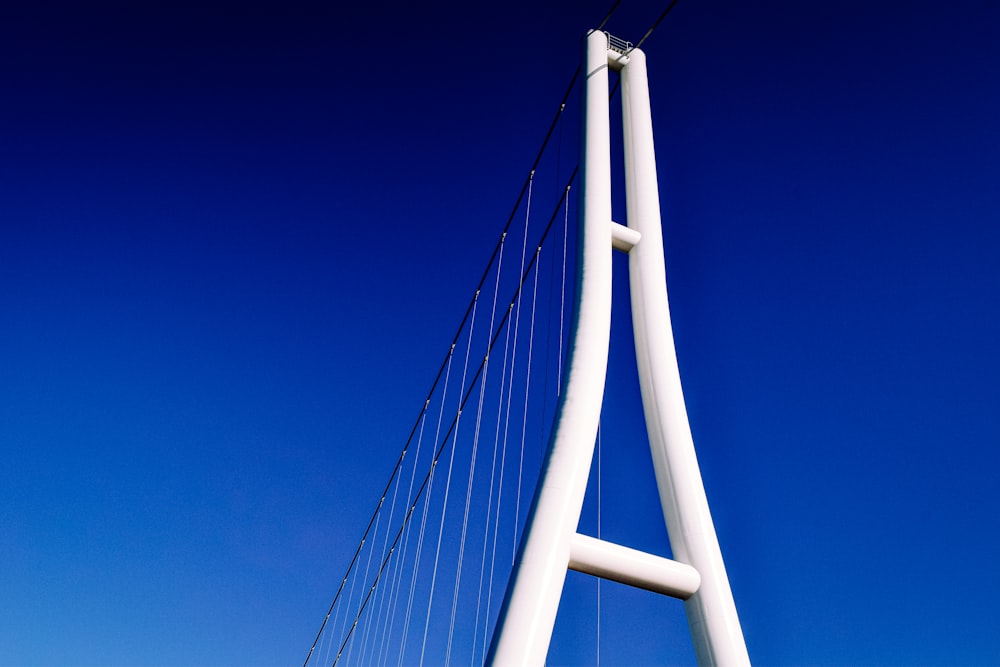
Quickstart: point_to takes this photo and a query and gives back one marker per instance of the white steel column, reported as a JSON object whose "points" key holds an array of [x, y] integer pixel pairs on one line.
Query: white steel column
{"points": [[711, 612], [530, 605], [551, 545]]}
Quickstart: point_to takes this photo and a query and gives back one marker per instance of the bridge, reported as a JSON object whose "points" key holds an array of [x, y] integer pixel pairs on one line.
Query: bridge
{"points": [[465, 555]]}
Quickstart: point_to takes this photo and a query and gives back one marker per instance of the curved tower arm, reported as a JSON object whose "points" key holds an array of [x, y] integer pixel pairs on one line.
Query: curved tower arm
{"points": [[711, 612], [529, 608]]}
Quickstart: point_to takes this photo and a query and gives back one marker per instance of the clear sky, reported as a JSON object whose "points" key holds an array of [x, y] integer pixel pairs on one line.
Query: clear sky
{"points": [[235, 240]]}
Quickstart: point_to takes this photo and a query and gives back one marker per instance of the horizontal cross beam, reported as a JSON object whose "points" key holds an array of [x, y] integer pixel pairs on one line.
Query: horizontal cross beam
{"points": [[635, 568]]}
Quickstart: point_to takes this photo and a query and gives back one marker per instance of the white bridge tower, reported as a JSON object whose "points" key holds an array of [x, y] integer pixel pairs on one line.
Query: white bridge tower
{"points": [[551, 544]]}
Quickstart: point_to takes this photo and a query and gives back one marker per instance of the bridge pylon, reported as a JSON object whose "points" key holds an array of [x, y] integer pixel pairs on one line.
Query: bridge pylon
{"points": [[551, 545]]}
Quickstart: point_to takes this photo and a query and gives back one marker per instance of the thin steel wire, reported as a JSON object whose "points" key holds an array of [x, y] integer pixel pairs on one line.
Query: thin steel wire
{"points": [[475, 452], [458, 332], [448, 435], [649, 32]]}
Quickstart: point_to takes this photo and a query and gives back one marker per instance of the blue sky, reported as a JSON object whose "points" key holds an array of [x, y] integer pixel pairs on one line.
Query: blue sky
{"points": [[235, 240]]}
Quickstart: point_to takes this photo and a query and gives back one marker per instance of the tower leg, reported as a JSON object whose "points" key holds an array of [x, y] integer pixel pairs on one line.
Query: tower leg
{"points": [[711, 611], [532, 599]]}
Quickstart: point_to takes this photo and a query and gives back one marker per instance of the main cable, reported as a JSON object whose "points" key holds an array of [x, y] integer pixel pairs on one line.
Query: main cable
{"points": [[649, 32], [608, 15]]}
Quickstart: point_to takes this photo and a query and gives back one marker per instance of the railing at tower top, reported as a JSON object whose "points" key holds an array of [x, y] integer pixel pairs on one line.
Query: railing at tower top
{"points": [[618, 44]]}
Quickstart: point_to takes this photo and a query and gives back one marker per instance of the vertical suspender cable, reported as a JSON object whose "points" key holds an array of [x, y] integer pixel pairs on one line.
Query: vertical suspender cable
{"points": [[472, 464], [489, 505], [428, 482], [398, 570], [517, 323], [447, 488], [510, 219], [524, 413], [598, 633], [451, 430]]}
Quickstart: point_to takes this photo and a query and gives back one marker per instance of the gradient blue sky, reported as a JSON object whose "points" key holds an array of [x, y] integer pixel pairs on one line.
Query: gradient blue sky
{"points": [[235, 239]]}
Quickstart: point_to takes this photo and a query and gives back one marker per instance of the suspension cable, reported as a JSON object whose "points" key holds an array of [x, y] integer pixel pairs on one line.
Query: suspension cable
{"points": [[517, 328], [489, 504], [598, 537], [608, 15], [649, 32], [397, 570], [461, 326], [454, 423], [447, 484], [475, 441], [428, 481], [562, 299], [524, 412]]}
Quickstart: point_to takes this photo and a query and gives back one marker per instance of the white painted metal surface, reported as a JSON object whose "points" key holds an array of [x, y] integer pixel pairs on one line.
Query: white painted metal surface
{"points": [[635, 568], [532, 598], [551, 544], [711, 612], [623, 238]]}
